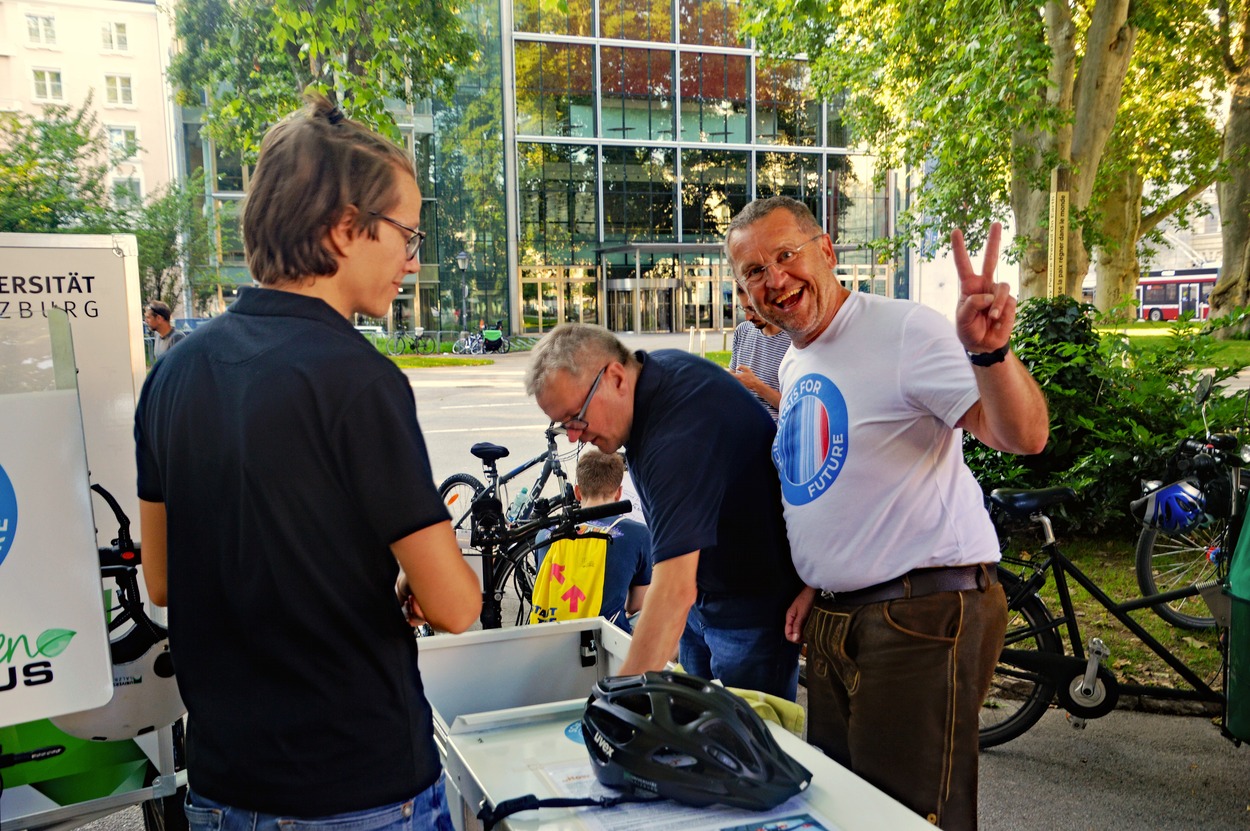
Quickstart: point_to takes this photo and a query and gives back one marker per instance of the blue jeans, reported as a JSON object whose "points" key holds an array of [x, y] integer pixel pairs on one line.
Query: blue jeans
{"points": [[752, 659], [425, 811]]}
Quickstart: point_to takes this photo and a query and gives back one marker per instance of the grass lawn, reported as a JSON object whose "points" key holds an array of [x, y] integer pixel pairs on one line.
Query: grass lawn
{"points": [[418, 361]]}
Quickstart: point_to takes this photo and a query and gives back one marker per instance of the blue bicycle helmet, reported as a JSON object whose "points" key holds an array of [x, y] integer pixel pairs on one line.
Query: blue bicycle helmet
{"points": [[683, 738], [1173, 509]]}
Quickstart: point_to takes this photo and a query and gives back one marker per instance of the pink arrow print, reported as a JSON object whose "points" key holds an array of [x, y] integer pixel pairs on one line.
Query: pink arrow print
{"points": [[573, 596]]}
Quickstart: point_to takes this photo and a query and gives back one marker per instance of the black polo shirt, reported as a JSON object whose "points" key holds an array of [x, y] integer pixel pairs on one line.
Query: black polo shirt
{"points": [[288, 456], [699, 450]]}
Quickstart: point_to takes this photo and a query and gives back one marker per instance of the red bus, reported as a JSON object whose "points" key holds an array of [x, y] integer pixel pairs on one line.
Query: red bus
{"points": [[1166, 295]]}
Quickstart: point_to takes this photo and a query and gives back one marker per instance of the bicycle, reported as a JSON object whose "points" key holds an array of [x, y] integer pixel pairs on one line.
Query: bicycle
{"points": [[506, 548], [402, 341], [460, 490], [1212, 462], [1045, 658], [486, 339]]}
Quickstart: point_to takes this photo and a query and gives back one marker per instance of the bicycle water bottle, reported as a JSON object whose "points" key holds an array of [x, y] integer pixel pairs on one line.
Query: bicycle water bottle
{"points": [[517, 504]]}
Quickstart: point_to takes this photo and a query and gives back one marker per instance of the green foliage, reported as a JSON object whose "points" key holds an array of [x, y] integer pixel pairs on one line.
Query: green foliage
{"points": [[54, 178], [985, 99], [54, 171], [173, 236], [253, 59], [1116, 409]]}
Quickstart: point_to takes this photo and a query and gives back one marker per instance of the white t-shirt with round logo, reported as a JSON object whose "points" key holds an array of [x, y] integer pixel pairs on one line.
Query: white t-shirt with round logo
{"points": [[872, 473]]}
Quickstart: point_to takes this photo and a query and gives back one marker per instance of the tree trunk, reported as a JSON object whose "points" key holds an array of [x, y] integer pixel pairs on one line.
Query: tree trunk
{"points": [[1115, 262], [1233, 290], [1091, 97], [1096, 98], [1033, 149]]}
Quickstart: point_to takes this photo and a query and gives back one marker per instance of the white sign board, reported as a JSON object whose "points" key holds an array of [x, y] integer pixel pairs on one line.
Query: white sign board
{"points": [[54, 653], [94, 278]]}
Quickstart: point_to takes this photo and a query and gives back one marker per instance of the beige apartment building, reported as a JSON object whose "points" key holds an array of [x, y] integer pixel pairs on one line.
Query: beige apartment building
{"points": [[61, 51]]}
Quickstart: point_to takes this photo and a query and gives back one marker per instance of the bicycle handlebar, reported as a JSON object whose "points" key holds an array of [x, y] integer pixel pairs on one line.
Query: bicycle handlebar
{"points": [[489, 531]]}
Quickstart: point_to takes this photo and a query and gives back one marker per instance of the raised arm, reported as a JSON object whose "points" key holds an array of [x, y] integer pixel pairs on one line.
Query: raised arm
{"points": [[1011, 414]]}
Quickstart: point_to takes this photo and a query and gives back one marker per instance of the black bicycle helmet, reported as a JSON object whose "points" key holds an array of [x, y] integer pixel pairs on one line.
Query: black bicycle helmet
{"points": [[1173, 509], [683, 738]]}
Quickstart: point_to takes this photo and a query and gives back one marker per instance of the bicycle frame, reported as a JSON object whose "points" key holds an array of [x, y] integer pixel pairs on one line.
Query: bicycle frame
{"points": [[1056, 562], [496, 482], [503, 548]]}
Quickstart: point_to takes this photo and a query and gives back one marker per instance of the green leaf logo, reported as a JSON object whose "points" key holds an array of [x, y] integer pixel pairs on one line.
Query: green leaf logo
{"points": [[52, 642]]}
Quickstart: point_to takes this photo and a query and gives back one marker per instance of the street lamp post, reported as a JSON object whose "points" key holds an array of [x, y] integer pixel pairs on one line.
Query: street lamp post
{"points": [[462, 263]]}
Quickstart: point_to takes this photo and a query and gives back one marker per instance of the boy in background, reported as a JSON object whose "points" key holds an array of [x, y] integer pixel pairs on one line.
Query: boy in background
{"points": [[606, 569]]}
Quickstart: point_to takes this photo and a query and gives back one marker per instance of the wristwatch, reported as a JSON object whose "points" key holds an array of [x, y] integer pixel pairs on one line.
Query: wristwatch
{"points": [[989, 358]]}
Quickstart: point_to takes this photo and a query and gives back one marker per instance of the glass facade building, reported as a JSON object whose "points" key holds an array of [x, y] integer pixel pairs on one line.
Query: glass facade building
{"points": [[587, 167]]}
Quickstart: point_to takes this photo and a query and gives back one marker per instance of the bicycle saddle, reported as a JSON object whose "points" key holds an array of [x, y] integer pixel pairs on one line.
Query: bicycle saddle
{"points": [[1022, 503], [488, 452]]}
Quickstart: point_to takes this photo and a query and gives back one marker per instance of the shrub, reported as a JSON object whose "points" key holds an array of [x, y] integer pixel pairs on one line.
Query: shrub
{"points": [[1116, 410]]}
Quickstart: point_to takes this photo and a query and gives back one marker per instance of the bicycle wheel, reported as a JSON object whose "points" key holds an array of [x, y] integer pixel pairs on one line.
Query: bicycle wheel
{"points": [[395, 344], [1017, 697], [460, 347], [1167, 562], [458, 492], [504, 345], [426, 345]]}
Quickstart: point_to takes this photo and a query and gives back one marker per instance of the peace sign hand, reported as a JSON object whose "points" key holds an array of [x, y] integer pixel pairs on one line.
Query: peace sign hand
{"points": [[986, 312]]}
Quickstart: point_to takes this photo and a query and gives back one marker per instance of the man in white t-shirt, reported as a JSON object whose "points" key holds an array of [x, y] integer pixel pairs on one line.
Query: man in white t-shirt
{"points": [[904, 618]]}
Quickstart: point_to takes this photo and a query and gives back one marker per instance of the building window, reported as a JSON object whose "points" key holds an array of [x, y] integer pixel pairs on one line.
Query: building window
{"points": [[127, 193], [41, 29], [857, 211], [113, 37], [555, 89], [544, 17], [713, 190], [796, 175], [709, 22], [117, 89], [639, 194], [123, 142], [637, 90], [637, 19], [714, 98], [48, 85], [559, 217], [783, 112]]}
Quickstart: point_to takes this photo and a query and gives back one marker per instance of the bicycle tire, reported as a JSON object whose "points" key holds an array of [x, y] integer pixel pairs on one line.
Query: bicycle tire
{"points": [[459, 347], [395, 344], [504, 346], [1018, 699], [458, 492], [1166, 562], [426, 345]]}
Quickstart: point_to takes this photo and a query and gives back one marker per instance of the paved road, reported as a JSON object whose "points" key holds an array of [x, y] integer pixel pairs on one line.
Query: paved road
{"points": [[1127, 771]]}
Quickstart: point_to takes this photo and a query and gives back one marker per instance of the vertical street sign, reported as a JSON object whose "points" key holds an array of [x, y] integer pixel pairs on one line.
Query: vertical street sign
{"points": [[1057, 243]]}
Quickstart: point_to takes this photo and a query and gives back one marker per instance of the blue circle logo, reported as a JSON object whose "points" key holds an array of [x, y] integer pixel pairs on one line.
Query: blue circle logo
{"points": [[812, 443], [8, 514], [574, 732]]}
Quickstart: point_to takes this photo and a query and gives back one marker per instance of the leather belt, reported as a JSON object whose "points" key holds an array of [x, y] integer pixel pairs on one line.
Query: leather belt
{"points": [[918, 583]]}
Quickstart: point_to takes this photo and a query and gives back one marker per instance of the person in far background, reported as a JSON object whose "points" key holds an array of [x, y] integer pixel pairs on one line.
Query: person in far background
{"points": [[157, 315], [758, 349]]}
